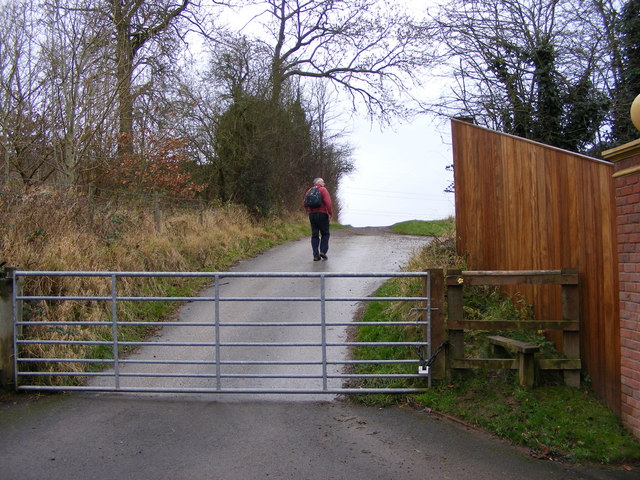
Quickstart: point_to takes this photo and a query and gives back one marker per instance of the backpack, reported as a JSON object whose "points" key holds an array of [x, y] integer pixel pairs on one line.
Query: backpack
{"points": [[313, 198]]}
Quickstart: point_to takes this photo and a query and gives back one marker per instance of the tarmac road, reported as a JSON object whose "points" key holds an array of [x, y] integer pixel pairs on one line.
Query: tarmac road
{"points": [[126, 436]]}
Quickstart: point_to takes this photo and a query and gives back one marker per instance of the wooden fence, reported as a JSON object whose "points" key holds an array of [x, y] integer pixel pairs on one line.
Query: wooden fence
{"points": [[526, 361], [521, 205]]}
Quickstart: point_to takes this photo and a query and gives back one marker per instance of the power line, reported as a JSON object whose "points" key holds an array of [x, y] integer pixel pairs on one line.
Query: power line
{"points": [[390, 194], [390, 214], [376, 190], [359, 198]]}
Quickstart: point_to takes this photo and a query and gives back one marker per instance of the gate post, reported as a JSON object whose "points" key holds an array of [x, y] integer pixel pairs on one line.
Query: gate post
{"points": [[7, 355], [571, 339], [438, 334], [455, 316]]}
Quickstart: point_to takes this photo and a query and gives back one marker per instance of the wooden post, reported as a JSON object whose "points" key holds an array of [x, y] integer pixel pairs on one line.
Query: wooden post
{"points": [[7, 355], [202, 206], [157, 213], [455, 315], [92, 206], [438, 368], [571, 339], [526, 369]]}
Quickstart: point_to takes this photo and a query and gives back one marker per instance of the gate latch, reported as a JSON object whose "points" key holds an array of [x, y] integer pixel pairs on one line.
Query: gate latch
{"points": [[425, 365]]}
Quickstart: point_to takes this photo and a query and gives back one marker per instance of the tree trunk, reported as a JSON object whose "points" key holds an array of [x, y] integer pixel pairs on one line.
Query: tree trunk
{"points": [[124, 74]]}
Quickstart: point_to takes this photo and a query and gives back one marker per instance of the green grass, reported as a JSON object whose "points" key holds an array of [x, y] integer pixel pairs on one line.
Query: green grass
{"points": [[552, 420], [434, 228]]}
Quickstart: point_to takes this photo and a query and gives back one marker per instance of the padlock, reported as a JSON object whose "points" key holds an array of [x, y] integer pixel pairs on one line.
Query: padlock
{"points": [[423, 370]]}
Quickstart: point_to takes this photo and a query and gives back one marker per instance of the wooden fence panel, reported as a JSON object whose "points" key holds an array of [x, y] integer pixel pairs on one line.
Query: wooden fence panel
{"points": [[522, 205]]}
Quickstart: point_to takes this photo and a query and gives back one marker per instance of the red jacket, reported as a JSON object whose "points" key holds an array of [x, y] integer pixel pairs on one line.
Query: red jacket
{"points": [[327, 206]]}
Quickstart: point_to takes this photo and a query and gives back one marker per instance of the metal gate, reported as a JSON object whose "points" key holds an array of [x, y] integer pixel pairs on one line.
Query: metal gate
{"points": [[236, 337]]}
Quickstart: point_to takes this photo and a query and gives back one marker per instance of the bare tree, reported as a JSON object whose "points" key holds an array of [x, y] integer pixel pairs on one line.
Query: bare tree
{"points": [[200, 108], [331, 156], [527, 67], [370, 48], [135, 24], [278, 144], [237, 67], [23, 128], [81, 98], [616, 21]]}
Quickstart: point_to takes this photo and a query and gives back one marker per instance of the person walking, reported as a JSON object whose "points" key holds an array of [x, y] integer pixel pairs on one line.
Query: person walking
{"points": [[319, 214]]}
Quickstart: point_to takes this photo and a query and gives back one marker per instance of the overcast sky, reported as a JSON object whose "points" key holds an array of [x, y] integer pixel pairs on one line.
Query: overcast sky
{"points": [[400, 174]]}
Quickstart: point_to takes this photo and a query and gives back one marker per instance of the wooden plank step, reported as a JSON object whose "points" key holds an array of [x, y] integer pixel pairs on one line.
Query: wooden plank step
{"points": [[513, 345]]}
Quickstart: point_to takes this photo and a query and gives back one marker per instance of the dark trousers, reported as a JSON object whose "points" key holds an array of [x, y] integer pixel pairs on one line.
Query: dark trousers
{"points": [[319, 232]]}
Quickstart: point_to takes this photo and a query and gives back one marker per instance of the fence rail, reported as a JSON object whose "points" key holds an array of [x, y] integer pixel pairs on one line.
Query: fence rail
{"points": [[569, 327]]}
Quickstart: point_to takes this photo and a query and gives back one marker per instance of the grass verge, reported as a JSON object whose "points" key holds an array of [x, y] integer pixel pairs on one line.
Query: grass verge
{"points": [[433, 228], [553, 421]]}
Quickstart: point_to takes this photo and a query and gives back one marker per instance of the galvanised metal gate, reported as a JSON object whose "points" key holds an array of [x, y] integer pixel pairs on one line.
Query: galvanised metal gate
{"points": [[230, 347]]}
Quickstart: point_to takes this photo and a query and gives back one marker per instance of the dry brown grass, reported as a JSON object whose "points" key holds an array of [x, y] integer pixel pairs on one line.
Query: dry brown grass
{"points": [[49, 231]]}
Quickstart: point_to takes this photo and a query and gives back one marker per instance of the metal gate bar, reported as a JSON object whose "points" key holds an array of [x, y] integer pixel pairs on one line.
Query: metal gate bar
{"points": [[23, 361]]}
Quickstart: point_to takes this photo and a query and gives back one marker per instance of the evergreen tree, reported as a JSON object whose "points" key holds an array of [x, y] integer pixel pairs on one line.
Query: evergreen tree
{"points": [[535, 79], [262, 151]]}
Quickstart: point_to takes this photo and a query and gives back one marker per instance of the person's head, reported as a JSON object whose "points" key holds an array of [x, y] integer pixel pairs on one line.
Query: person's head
{"points": [[318, 181]]}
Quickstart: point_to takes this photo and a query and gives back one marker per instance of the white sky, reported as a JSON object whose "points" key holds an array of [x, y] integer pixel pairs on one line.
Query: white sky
{"points": [[400, 174]]}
